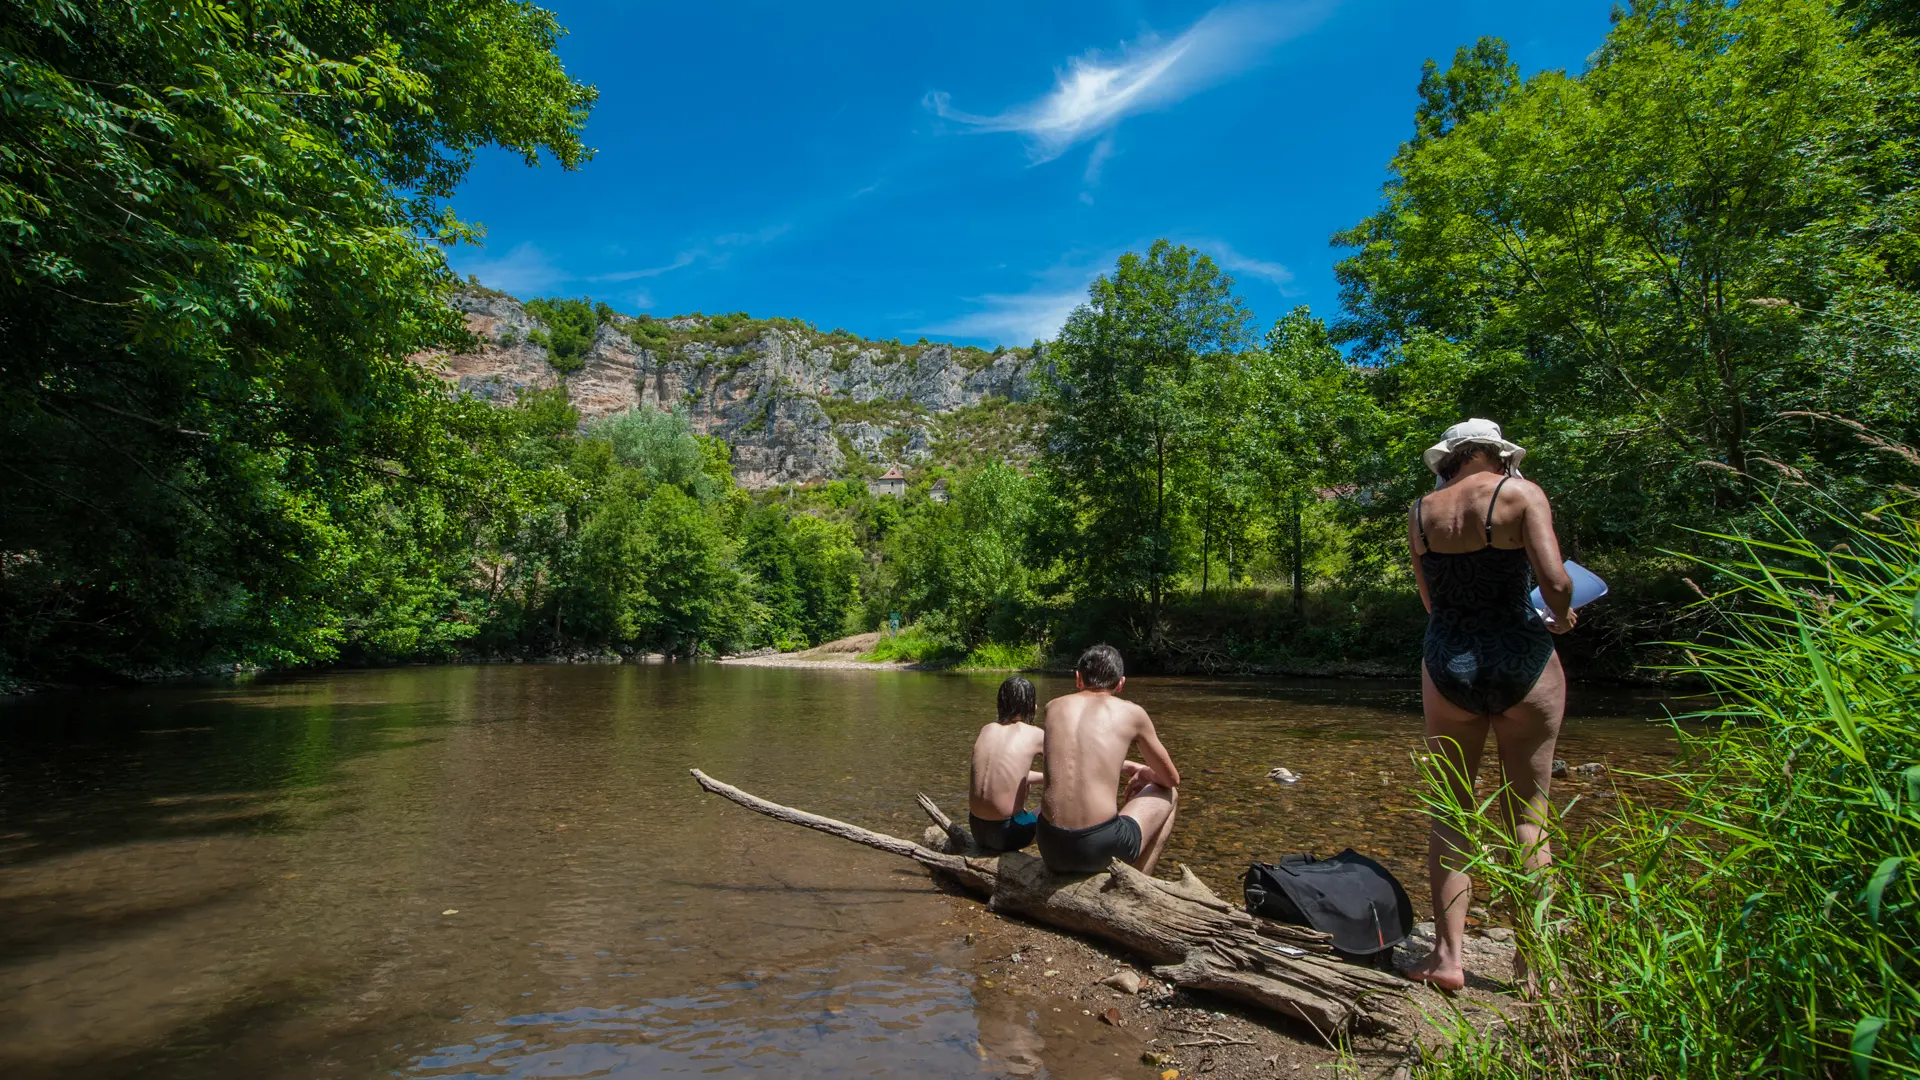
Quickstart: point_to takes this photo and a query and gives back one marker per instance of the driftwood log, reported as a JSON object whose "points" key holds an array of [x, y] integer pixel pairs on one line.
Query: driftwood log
{"points": [[1193, 938]]}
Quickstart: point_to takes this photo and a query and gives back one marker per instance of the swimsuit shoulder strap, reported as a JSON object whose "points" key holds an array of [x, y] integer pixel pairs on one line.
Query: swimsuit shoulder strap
{"points": [[1490, 505], [1420, 524]]}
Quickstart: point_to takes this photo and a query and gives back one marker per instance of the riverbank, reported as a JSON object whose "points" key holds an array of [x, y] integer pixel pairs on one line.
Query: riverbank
{"points": [[843, 654], [846, 654], [1058, 977], [832, 656]]}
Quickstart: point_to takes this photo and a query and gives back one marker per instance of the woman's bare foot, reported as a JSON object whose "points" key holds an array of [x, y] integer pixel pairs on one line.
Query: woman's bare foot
{"points": [[1523, 978], [1526, 981], [1439, 974]]}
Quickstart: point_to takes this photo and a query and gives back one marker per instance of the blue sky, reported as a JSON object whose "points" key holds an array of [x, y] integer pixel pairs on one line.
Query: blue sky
{"points": [[962, 171]]}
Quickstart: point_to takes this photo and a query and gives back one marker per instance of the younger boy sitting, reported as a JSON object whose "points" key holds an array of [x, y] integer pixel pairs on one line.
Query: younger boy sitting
{"points": [[1003, 772]]}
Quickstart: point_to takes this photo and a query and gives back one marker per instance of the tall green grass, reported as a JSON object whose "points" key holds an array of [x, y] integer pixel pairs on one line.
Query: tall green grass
{"points": [[914, 643], [1003, 656], [1754, 912]]}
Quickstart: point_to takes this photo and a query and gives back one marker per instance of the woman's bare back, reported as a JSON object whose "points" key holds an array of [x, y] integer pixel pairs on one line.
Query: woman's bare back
{"points": [[1455, 516]]}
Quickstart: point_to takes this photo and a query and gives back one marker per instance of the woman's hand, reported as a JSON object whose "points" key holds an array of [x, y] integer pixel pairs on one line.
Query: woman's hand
{"points": [[1561, 626]]}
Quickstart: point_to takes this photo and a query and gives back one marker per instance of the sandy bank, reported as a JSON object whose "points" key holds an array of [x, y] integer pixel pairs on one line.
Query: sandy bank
{"points": [[843, 654]]}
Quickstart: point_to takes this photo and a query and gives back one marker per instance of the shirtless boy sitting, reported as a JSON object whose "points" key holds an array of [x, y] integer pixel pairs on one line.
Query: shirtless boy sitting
{"points": [[1088, 737], [1003, 772]]}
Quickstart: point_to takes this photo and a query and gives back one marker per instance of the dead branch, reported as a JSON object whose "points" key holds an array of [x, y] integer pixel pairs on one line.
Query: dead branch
{"points": [[1196, 940]]}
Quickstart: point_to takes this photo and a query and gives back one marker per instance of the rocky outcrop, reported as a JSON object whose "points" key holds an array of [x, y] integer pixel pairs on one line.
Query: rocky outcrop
{"points": [[796, 405]]}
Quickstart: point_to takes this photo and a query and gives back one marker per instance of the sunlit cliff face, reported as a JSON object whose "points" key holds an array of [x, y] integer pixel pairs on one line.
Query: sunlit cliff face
{"points": [[796, 405]]}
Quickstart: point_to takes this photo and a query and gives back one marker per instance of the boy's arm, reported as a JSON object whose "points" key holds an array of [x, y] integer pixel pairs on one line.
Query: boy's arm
{"points": [[1159, 762]]}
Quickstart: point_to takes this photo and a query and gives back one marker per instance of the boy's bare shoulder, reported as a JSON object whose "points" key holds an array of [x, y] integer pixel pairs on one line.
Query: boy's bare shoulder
{"points": [[1116, 709]]}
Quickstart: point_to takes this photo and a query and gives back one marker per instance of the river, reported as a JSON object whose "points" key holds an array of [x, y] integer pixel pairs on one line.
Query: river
{"points": [[506, 871]]}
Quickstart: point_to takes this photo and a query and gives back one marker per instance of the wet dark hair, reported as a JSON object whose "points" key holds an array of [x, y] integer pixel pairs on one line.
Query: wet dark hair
{"points": [[1100, 667], [1017, 700], [1458, 457]]}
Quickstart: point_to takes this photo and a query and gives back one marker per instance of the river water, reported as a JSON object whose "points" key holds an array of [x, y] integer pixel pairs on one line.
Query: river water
{"points": [[506, 871]]}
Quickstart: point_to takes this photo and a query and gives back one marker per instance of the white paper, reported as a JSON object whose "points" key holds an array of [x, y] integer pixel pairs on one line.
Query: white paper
{"points": [[1587, 587]]}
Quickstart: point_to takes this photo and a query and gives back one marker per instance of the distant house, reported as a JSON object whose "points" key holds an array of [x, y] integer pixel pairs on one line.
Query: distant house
{"points": [[938, 492], [893, 483], [1346, 491]]}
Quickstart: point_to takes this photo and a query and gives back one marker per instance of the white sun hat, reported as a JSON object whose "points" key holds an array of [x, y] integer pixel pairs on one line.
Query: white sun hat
{"points": [[1475, 430]]}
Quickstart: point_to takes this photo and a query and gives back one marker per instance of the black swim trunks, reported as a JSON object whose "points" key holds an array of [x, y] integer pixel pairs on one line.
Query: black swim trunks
{"points": [[1090, 850], [1012, 834]]}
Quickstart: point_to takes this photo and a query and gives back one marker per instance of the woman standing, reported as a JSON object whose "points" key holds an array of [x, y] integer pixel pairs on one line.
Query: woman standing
{"points": [[1490, 662]]}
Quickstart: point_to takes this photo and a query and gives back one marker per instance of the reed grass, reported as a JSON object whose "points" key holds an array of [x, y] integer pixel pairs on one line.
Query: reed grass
{"points": [[1753, 912], [914, 643], [1003, 656]]}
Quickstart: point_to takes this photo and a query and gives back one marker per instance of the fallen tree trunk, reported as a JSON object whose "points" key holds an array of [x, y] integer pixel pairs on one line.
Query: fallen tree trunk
{"points": [[1193, 938]]}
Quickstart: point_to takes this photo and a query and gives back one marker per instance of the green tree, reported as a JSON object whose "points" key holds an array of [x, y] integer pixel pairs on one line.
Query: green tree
{"points": [[1654, 268], [696, 600], [604, 580], [1121, 395], [1307, 416], [571, 327], [767, 553], [827, 565], [1480, 78], [662, 446], [1216, 473], [216, 259], [963, 565]]}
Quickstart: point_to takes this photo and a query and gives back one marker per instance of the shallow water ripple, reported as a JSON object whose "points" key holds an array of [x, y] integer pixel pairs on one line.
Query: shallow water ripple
{"points": [[922, 1024]]}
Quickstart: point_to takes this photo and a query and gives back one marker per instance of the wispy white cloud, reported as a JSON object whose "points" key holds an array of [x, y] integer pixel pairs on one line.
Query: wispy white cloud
{"points": [[643, 299], [680, 261], [1233, 262], [712, 255], [1034, 315], [1014, 319], [1095, 92], [1040, 311], [760, 236], [1097, 160], [525, 270]]}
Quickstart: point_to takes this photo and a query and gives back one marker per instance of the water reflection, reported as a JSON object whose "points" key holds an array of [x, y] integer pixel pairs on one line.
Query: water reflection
{"points": [[888, 1022], [506, 871]]}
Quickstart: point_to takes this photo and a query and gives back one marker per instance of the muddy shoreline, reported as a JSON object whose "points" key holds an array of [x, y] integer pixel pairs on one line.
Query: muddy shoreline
{"points": [[1059, 977]]}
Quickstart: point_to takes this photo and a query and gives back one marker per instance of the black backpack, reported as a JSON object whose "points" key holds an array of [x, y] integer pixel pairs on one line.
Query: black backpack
{"points": [[1349, 896]]}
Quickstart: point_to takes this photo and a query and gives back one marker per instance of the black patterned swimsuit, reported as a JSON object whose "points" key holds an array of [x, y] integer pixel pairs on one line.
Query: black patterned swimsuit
{"points": [[1486, 646]]}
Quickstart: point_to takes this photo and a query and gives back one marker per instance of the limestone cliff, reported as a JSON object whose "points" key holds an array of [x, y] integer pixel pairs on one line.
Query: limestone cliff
{"points": [[797, 405]]}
